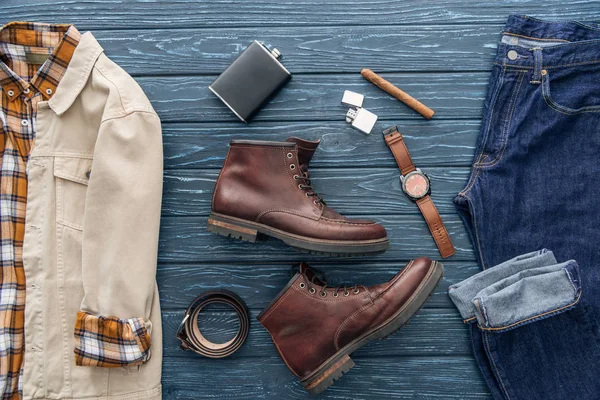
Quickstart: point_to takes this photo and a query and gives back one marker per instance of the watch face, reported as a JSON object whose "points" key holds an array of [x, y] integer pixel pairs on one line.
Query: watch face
{"points": [[416, 185]]}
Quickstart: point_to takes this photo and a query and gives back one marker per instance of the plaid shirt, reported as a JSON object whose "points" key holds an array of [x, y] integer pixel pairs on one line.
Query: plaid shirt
{"points": [[23, 86], [33, 59]]}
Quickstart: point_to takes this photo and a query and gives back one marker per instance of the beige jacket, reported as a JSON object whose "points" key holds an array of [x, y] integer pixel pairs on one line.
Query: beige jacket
{"points": [[91, 238]]}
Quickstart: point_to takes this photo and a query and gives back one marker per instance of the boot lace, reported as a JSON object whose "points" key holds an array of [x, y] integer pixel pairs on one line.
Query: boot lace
{"points": [[319, 275], [307, 185]]}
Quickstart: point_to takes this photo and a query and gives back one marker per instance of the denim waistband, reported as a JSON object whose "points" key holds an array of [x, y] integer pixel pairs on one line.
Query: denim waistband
{"points": [[562, 43]]}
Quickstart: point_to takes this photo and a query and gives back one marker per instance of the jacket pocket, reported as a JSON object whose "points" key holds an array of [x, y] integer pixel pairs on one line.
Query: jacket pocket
{"points": [[71, 178], [572, 92], [528, 296]]}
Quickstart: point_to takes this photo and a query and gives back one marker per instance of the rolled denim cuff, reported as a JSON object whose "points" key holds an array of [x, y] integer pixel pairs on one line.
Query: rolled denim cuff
{"points": [[528, 296], [463, 293]]}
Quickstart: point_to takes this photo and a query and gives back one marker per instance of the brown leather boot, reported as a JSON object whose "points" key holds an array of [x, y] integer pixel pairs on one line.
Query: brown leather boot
{"points": [[315, 328], [264, 189]]}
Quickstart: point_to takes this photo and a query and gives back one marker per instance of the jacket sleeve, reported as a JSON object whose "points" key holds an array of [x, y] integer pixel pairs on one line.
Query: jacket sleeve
{"points": [[120, 242]]}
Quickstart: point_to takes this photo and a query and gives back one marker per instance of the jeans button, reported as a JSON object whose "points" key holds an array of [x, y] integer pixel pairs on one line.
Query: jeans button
{"points": [[512, 55]]}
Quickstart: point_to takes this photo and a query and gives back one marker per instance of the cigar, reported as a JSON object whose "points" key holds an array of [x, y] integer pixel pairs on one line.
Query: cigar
{"points": [[397, 93]]}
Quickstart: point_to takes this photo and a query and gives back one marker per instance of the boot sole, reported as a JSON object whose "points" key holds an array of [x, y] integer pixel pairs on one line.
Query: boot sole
{"points": [[340, 363], [252, 231]]}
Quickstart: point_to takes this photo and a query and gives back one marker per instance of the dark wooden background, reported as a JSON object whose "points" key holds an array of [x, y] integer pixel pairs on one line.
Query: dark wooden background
{"points": [[439, 51]]}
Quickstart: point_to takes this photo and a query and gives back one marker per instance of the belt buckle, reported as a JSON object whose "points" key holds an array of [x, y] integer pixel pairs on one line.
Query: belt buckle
{"points": [[181, 335]]}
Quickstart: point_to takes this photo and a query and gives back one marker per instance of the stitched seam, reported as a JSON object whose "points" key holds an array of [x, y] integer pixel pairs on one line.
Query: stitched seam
{"points": [[472, 210], [436, 229], [69, 224], [488, 128], [96, 67], [285, 210], [533, 316], [62, 154], [126, 114], [423, 283], [487, 345], [562, 109], [275, 306], [538, 39], [406, 268], [212, 205], [307, 148], [570, 279], [71, 178], [508, 124], [550, 66], [343, 324], [469, 319], [347, 222], [474, 176], [586, 26]]}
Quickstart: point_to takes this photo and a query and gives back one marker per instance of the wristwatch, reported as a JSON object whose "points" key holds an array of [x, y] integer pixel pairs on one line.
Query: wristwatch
{"points": [[416, 185]]}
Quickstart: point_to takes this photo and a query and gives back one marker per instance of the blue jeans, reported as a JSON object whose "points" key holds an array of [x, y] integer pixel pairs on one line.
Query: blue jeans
{"points": [[535, 184]]}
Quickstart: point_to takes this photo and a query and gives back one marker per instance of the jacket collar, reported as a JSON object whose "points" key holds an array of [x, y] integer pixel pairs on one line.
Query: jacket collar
{"points": [[84, 58]]}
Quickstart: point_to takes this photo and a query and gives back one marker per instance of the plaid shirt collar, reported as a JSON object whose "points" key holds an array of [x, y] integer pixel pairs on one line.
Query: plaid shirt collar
{"points": [[48, 76]]}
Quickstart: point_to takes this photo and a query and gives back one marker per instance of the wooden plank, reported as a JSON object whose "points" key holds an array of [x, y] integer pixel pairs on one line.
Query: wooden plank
{"points": [[432, 332], [448, 378], [350, 191], [333, 49], [259, 281], [318, 98], [431, 143], [185, 239], [102, 14]]}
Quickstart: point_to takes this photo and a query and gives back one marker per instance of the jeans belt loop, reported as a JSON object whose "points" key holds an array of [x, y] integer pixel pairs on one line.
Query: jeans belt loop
{"points": [[537, 70]]}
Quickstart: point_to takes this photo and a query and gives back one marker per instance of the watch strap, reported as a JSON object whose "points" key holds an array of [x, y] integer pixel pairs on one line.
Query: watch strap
{"points": [[436, 226], [395, 142]]}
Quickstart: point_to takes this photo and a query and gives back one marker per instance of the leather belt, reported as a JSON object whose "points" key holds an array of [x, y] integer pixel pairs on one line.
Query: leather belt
{"points": [[395, 141], [191, 337]]}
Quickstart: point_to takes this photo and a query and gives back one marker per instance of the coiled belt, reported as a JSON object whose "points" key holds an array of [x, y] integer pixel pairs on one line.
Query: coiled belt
{"points": [[191, 337]]}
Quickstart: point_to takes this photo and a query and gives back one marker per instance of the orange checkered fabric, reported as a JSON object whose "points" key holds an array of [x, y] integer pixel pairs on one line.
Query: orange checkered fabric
{"points": [[110, 342], [33, 59]]}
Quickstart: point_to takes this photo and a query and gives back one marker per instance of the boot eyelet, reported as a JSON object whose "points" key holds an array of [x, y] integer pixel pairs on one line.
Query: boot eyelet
{"points": [[302, 285], [307, 195], [335, 295], [300, 186], [290, 155], [296, 177], [292, 167], [315, 202], [356, 291], [323, 294], [312, 290], [346, 294]]}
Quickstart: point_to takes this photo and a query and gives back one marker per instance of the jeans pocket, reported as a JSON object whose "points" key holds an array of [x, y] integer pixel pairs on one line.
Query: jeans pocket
{"points": [[528, 296], [498, 121], [570, 91]]}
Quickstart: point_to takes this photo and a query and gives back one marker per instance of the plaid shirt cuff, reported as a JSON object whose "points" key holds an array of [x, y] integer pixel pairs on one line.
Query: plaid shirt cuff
{"points": [[110, 342]]}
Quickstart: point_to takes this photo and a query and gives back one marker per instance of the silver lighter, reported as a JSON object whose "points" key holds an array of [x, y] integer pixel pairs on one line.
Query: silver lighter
{"points": [[361, 119]]}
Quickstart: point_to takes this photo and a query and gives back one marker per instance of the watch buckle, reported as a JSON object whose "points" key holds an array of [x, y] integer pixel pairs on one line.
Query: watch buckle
{"points": [[390, 130]]}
